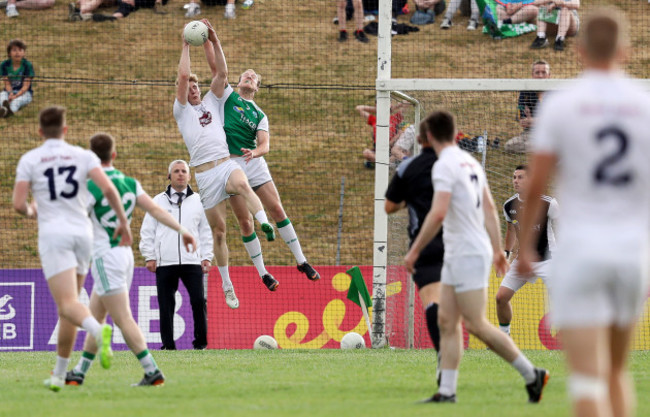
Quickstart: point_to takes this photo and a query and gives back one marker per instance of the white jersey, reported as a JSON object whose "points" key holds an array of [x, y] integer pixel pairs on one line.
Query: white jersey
{"points": [[202, 129], [457, 172], [599, 128], [57, 173]]}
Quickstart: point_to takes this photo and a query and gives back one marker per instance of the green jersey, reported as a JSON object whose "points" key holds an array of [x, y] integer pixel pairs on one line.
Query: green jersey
{"points": [[103, 217], [242, 119]]}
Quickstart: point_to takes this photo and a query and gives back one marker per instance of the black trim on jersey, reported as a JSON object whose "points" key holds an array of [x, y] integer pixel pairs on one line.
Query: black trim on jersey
{"points": [[512, 209], [412, 184]]}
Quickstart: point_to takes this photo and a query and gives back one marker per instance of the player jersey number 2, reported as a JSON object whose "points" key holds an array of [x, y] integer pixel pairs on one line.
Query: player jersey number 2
{"points": [[109, 219], [72, 185], [604, 170]]}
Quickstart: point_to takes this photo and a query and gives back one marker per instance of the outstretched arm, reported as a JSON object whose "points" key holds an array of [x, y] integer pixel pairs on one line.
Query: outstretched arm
{"points": [[183, 86], [217, 61], [147, 204]]}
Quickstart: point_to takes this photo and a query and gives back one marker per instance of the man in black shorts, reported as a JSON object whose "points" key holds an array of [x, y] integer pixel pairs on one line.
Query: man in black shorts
{"points": [[411, 187]]}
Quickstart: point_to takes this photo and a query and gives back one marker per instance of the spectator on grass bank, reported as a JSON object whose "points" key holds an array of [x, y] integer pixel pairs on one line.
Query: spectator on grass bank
{"points": [[426, 11], [17, 74], [370, 114], [358, 21], [124, 8], [560, 16], [194, 8], [12, 5], [526, 108], [514, 13], [454, 5], [404, 144]]}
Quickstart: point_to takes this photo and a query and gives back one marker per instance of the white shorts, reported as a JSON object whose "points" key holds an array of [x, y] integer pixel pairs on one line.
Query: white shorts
{"points": [[62, 252], [588, 291], [113, 272], [514, 281], [212, 183], [256, 170], [467, 273]]}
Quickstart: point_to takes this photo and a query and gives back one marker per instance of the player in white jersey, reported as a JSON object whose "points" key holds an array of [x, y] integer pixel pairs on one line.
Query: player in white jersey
{"points": [[56, 175], [217, 176], [595, 133], [462, 202], [112, 267], [513, 209]]}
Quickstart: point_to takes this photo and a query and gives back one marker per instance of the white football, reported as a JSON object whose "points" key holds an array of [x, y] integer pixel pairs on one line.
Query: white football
{"points": [[195, 33], [265, 342], [353, 340]]}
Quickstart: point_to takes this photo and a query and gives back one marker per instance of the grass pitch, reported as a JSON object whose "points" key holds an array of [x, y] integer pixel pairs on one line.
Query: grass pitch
{"points": [[291, 383]]}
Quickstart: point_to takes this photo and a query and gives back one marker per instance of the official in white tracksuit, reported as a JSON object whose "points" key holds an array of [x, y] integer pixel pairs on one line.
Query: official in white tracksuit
{"points": [[166, 256]]}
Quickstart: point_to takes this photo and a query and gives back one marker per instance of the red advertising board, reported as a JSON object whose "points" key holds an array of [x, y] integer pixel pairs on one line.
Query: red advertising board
{"points": [[300, 314]]}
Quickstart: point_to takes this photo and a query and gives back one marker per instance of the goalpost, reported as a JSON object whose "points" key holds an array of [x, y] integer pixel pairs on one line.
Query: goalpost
{"points": [[486, 112]]}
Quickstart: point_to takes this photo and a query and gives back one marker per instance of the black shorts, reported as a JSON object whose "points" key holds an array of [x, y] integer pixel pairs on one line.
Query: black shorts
{"points": [[427, 274]]}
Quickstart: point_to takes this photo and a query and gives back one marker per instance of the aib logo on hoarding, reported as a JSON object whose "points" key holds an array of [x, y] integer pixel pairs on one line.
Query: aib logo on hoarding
{"points": [[16, 315]]}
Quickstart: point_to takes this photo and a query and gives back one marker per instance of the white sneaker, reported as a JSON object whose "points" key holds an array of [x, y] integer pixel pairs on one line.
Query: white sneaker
{"points": [[473, 24], [230, 11], [12, 12], [55, 383], [446, 23], [247, 4], [193, 9], [231, 298]]}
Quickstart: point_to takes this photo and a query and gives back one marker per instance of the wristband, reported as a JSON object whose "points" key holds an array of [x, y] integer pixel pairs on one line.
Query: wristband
{"points": [[183, 231]]}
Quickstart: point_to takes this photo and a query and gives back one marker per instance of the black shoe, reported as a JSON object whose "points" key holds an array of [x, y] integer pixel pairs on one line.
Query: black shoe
{"points": [[8, 111], [73, 378], [536, 387], [361, 36], [311, 273], [270, 282], [168, 347], [343, 36], [539, 43], [3, 111], [439, 398], [155, 379], [200, 347], [103, 18], [559, 45]]}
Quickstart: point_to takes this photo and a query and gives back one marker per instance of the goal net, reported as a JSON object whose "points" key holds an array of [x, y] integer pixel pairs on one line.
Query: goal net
{"points": [[490, 128]]}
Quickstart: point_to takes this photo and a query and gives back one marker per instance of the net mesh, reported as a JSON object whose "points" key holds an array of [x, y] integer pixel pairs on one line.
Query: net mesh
{"points": [[489, 129]]}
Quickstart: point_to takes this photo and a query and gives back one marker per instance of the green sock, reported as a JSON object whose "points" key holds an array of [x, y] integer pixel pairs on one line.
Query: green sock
{"points": [[147, 361]]}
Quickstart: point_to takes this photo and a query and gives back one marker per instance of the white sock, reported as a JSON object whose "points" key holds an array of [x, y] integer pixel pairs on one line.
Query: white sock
{"points": [[147, 362], [84, 363], [525, 368], [254, 249], [11, 6], [61, 366], [260, 216], [230, 7], [448, 382], [291, 239], [541, 35], [559, 38], [226, 284], [505, 328], [91, 326]]}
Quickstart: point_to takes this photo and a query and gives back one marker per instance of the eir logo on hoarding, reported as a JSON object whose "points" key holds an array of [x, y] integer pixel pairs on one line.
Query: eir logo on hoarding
{"points": [[16, 315]]}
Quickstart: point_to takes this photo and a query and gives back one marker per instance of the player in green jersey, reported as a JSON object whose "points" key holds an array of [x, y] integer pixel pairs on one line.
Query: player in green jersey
{"points": [[112, 265], [247, 134]]}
